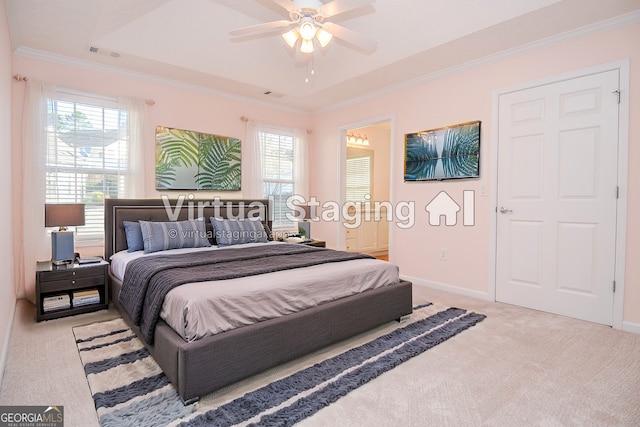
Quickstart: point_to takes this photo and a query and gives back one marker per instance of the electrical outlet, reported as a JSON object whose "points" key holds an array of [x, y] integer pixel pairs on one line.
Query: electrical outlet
{"points": [[443, 254]]}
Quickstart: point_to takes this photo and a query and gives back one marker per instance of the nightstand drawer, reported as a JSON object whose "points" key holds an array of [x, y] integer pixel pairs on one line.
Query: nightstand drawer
{"points": [[71, 284], [76, 273]]}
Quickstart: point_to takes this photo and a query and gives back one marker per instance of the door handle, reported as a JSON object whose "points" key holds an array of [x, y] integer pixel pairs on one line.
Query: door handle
{"points": [[504, 210]]}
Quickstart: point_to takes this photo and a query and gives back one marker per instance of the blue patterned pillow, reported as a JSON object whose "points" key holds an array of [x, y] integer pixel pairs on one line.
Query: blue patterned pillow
{"points": [[161, 236], [234, 232], [134, 236]]}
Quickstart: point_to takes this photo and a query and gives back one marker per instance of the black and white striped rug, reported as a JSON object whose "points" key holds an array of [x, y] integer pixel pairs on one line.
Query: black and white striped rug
{"points": [[127, 385], [129, 388]]}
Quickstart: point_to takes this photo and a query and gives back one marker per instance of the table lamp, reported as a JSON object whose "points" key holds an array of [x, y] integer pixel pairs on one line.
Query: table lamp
{"points": [[63, 215]]}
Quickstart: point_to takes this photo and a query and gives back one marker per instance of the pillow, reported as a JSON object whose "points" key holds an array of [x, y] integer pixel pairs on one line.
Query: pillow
{"points": [[234, 232], [161, 236], [134, 236]]}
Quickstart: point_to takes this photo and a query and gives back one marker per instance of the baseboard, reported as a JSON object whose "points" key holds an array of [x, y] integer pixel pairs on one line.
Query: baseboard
{"points": [[447, 288], [626, 326], [631, 327], [7, 337]]}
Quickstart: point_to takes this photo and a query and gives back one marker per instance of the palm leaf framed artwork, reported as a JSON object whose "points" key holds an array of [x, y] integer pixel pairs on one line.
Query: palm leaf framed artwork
{"points": [[190, 160]]}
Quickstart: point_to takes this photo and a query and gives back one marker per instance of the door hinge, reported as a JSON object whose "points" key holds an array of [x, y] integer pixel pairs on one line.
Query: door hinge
{"points": [[617, 192], [617, 93], [614, 286]]}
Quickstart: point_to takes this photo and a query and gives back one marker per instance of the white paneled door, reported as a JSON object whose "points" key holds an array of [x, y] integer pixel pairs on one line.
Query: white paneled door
{"points": [[557, 197]]}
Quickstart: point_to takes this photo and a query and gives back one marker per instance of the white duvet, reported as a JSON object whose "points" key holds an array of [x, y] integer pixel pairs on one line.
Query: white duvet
{"points": [[196, 310]]}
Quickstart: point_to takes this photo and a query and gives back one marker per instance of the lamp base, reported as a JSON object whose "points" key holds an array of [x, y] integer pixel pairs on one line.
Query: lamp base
{"points": [[62, 248]]}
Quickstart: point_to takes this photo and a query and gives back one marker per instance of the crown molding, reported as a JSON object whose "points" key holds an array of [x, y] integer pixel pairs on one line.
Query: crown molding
{"points": [[582, 32], [150, 78]]}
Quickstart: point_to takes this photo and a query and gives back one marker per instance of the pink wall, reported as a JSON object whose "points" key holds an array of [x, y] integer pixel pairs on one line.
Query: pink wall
{"points": [[460, 97]]}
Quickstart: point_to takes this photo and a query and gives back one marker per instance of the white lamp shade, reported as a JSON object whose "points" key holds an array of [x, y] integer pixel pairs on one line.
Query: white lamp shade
{"points": [[306, 46], [323, 37], [291, 37]]}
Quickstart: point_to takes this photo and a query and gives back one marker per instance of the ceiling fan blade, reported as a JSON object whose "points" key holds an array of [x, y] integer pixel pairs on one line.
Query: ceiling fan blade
{"points": [[261, 28], [337, 7], [287, 5], [357, 40]]}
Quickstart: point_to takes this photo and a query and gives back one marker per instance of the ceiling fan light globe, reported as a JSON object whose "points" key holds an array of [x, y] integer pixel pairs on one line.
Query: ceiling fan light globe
{"points": [[307, 29], [291, 37], [306, 46], [324, 37]]}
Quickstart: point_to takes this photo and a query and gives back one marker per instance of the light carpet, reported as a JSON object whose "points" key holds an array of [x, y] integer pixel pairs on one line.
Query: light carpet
{"points": [[126, 383]]}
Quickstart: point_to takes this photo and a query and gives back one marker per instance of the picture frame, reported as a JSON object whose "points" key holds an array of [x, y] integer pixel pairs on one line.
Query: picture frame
{"points": [[449, 152], [191, 160]]}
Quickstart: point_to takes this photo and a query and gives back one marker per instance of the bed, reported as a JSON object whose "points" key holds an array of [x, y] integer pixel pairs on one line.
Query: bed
{"points": [[202, 364]]}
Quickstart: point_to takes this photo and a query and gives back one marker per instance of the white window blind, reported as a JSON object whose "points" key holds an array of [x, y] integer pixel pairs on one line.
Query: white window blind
{"points": [[277, 149], [86, 157], [358, 179]]}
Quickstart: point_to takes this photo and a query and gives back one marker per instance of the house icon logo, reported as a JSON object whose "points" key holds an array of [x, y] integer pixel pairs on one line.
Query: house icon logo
{"points": [[443, 205]]}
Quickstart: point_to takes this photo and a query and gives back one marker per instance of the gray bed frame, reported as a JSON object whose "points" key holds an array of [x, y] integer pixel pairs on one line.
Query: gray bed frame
{"points": [[200, 367]]}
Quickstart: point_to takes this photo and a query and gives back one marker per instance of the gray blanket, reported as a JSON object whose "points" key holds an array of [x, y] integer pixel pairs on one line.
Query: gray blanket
{"points": [[147, 280]]}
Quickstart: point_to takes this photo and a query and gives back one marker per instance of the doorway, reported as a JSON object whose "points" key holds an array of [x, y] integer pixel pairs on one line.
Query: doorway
{"points": [[366, 181], [557, 211]]}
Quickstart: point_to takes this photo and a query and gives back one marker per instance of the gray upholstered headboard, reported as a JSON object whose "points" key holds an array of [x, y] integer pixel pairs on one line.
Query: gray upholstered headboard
{"points": [[116, 211]]}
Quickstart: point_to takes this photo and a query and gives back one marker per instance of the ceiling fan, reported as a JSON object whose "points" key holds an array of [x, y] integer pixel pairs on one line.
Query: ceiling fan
{"points": [[308, 20]]}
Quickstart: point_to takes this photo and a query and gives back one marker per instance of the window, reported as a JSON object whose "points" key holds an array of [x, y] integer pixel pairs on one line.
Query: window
{"points": [[358, 175], [86, 157], [278, 182]]}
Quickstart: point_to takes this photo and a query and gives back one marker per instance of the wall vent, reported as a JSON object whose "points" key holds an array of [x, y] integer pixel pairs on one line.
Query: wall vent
{"points": [[104, 52]]}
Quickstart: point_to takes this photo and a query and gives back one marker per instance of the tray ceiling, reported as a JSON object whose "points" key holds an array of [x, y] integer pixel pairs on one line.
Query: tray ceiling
{"points": [[188, 41]]}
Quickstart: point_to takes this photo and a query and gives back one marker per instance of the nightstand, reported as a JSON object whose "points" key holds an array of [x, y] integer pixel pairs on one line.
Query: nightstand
{"points": [[70, 289], [316, 243]]}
